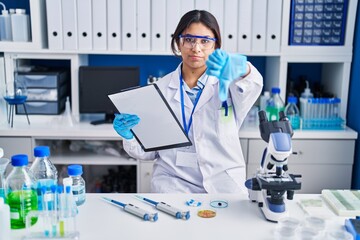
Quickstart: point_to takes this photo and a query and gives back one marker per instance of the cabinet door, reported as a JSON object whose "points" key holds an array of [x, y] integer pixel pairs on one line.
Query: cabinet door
{"points": [[323, 164], [145, 169], [16, 145]]}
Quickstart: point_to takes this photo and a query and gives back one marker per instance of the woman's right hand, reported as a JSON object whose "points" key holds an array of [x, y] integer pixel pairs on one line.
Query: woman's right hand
{"points": [[123, 123]]}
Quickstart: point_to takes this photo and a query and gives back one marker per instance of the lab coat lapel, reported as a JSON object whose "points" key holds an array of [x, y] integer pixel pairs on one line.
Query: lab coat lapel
{"points": [[175, 85], [207, 93]]}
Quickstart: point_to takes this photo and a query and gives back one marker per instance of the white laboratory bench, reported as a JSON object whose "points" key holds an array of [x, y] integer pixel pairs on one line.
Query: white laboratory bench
{"points": [[242, 219]]}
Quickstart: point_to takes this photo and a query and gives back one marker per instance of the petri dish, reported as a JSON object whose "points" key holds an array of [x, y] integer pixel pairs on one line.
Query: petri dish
{"points": [[219, 203], [316, 223], [206, 213], [284, 233], [307, 233], [289, 222], [339, 234]]}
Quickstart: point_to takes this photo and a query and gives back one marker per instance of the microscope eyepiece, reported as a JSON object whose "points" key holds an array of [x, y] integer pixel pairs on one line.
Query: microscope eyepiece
{"points": [[262, 116], [282, 116]]}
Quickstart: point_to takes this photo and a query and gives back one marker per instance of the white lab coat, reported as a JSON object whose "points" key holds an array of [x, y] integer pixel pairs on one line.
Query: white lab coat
{"points": [[215, 162]]}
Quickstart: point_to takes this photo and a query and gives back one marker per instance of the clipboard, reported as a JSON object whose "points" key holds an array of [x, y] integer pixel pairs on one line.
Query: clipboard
{"points": [[158, 128]]}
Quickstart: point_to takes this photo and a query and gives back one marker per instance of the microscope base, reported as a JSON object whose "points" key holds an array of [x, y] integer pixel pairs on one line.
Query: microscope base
{"points": [[270, 215]]}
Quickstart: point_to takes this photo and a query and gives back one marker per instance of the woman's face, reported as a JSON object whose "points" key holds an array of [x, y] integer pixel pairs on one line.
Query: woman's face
{"points": [[194, 55]]}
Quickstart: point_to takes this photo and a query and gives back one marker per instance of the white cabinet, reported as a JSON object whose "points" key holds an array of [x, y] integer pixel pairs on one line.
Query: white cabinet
{"points": [[144, 174], [324, 164], [16, 145]]}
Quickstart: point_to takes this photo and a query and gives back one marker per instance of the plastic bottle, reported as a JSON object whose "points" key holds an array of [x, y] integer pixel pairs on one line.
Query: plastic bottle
{"points": [[292, 112], [19, 193], [20, 26], [43, 171], [4, 220], [307, 106], [307, 92], [263, 100], [274, 105], [5, 25], [3, 164], [78, 183]]}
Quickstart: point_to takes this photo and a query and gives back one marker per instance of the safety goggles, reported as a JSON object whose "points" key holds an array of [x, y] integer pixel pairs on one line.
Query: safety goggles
{"points": [[189, 41]]}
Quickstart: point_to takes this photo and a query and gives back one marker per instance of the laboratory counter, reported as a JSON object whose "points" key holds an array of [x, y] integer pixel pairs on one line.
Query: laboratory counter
{"points": [[241, 219], [42, 127]]}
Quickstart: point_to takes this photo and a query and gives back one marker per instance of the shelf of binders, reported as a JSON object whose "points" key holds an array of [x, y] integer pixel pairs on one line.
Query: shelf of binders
{"points": [[318, 50], [139, 27]]}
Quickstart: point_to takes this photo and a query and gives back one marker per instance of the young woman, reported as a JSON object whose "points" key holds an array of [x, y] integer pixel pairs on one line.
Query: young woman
{"points": [[210, 93]]}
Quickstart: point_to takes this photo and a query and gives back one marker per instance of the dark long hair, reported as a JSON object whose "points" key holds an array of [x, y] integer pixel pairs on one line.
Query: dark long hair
{"points": [[196, 16]]}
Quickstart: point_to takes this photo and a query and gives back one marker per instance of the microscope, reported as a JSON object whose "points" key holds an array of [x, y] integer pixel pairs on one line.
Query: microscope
{"points": [[270, 183]]}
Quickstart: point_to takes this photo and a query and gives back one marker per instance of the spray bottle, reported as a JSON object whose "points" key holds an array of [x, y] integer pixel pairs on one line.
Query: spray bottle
{"points": [[305, 104], [5, 24]]}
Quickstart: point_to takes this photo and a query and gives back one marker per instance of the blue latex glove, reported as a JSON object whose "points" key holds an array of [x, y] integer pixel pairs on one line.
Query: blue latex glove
{"points": [[123, 123], [226, 67]]}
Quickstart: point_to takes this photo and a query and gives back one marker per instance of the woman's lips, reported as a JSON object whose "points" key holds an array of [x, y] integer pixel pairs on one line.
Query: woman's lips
{"points": [[195, 58]]}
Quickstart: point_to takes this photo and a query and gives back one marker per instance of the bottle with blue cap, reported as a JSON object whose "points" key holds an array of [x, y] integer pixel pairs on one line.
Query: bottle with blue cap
{"points": [[19, 192], [78, 183], [43, 171], [292, 112], [274, 105]]}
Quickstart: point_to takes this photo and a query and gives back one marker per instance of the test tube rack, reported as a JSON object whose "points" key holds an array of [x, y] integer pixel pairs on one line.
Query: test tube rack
{"points": [[321, 113]]}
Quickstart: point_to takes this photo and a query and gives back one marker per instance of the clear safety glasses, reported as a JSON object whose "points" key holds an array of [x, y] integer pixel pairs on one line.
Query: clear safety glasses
{"points": [[189, 41]]}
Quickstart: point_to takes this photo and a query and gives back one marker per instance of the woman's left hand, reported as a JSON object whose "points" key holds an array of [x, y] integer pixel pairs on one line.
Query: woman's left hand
{"points": [[226, 67]]}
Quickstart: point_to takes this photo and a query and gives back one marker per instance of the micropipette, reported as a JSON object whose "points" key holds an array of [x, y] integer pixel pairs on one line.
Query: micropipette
{"points": [[134, 210], [167, 208]]}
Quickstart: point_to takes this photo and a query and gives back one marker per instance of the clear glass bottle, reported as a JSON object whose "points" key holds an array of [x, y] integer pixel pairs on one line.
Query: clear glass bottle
{"points": [[263, 100], [19, 193], [274, 105], [78, 183], [292, 112], [43, 171], [3, 164]]}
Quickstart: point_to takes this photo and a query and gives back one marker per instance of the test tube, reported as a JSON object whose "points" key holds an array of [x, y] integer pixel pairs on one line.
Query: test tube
{"points": [[337, 102], [61, 207], [45, 209], [331, 110], [54, 217]]}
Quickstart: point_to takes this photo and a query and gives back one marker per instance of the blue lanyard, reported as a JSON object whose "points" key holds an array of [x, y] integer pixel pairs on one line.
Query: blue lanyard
{"points": [[187, 126], [226, 107]]}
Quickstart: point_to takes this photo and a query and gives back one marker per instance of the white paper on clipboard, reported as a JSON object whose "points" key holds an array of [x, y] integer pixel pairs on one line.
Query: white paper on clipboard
{"points": [[158, 128]]}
